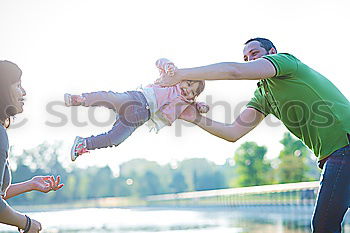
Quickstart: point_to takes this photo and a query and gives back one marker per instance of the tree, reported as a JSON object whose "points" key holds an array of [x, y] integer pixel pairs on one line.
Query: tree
{"points": [[192, 169], [294, 161], [210, 180], [178, 183], [251, 166], [229, 172], [122, 188], [136, 169], [82, 187], [100, 185], [149, 185]]}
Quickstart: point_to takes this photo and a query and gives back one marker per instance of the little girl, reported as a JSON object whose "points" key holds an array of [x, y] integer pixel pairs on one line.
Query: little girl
{"points": [[156, 105]]}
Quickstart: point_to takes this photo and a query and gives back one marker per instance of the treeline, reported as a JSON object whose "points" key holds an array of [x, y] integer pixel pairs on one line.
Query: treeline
{"points": [[248, 166]]}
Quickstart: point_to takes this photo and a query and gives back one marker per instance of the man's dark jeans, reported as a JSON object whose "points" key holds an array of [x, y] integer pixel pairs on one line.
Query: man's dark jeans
{"points": [[334, 195]]}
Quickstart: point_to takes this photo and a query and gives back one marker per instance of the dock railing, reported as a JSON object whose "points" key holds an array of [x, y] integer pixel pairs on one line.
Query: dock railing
{"points": [[303, 193]]}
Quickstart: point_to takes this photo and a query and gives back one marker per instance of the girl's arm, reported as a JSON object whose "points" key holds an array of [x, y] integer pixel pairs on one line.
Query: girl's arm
{"points": [[40, 183]]}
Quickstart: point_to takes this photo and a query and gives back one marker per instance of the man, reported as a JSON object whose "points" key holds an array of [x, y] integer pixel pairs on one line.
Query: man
{"points": [[306, 102]]}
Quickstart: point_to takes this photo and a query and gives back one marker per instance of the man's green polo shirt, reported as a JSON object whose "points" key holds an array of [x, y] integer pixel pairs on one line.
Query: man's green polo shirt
{"points": [[307, 103]]}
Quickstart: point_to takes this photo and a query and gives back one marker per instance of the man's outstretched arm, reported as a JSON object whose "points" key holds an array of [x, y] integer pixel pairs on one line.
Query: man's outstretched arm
{"points": [[244, 123], [254, 70]]}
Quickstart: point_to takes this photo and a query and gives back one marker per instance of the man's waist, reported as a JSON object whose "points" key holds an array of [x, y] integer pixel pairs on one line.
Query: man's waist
{"points": [[340, 150]]}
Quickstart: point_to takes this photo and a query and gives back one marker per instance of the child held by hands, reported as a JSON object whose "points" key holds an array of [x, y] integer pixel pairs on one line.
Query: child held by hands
{"points": [[156, 105]]}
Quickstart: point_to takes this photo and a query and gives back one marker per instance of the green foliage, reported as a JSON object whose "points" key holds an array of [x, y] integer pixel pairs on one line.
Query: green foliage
{"points": [[149, 185], [209, 181], [100, 184], [252, 167], [193, 169], [295, 164], [178, 183], [140, 177], [137, 177]]}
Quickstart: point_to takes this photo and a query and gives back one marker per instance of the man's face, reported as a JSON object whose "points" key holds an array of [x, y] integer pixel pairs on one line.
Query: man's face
{"points": [[253, 51]]}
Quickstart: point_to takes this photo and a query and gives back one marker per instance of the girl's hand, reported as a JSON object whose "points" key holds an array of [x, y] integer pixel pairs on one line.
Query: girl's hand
{"points": [[167, 71], [202, 107], [170, 69], [46, 183], [166, 66]]}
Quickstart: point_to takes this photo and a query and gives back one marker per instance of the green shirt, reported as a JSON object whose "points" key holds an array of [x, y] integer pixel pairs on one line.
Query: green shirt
{"points": [[307, 103]]}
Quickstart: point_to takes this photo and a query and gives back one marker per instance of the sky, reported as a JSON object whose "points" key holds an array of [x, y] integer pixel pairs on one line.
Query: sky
{"points": [[80, 46]]}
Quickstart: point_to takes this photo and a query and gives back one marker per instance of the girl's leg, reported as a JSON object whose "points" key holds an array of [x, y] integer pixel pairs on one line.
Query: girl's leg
{"points": [[133, 116], [112, 100], [334, 194], [114, 137]]}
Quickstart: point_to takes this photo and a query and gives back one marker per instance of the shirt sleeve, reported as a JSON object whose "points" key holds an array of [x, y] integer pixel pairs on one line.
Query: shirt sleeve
{"points": [[285, 64], [259, 103]]}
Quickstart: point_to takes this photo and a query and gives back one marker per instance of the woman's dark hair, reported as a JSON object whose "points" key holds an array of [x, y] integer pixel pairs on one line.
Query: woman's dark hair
{"points": [[265, 43], [10, 73]]}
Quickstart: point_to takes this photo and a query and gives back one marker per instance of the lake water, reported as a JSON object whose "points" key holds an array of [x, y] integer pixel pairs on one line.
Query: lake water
{"points": [[137, 220]]}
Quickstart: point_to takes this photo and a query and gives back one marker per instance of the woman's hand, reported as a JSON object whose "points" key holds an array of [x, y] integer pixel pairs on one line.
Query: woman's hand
{"points": [[35, 227], [46, 183]]}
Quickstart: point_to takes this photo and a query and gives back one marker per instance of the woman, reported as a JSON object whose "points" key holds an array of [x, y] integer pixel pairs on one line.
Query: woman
{"points": [[11, 103]]}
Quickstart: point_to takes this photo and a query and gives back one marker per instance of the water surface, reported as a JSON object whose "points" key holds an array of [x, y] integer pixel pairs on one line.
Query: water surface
{"points": [[199, 220]]}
